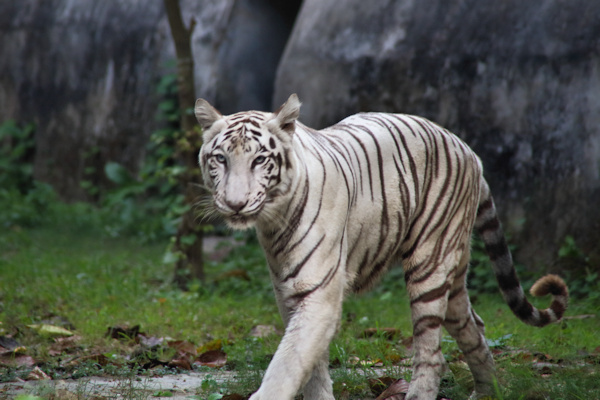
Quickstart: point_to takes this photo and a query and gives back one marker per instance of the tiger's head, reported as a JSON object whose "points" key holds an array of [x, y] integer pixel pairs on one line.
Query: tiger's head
{"points": [[247, 160]]}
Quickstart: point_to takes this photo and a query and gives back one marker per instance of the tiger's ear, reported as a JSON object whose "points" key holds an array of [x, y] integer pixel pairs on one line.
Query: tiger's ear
{"points": [[287, 114], [206, 114]]}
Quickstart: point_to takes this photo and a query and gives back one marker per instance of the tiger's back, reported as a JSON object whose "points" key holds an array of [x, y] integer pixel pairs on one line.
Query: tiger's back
{"points": [[387, 175], [334, 208]]}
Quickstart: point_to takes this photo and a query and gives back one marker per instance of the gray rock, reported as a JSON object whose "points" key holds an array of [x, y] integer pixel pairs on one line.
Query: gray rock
{"points": [[86, 73], [519, 81]]}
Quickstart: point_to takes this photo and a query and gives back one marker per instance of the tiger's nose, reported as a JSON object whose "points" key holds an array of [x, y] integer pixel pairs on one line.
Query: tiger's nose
{"points": [[236, 206]]}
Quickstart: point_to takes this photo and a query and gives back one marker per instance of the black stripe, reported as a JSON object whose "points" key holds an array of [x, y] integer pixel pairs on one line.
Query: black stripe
{"points": [[433, 294], [479, 345], [326, 280], [411, 162], [426, 323], [367, 160], [384, 220], [485, 206], [521, 308], [497, 250], [558, 308], [508, 281], [298, 267], [294, 221], [490, 225]]}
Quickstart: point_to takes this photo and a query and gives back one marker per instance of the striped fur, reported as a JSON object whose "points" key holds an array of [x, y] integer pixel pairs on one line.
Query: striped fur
{"points": [[334, 208]]}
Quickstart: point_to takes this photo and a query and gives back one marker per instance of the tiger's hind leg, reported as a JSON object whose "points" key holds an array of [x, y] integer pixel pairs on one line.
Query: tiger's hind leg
{"points": [[465, 326]]}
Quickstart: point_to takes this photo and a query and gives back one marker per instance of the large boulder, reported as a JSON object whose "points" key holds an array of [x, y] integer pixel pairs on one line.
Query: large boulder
{"points": [[518, 80]]}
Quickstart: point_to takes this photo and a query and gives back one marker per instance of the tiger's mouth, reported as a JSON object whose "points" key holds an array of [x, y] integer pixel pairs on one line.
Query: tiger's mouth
{"points": [[241, 221]]}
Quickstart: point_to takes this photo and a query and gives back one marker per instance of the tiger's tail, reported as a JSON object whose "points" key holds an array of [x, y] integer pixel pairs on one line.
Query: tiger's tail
{"points": [[488, 226]]}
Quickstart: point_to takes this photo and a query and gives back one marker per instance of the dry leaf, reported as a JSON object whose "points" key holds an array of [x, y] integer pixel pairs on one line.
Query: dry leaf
{"points": [[387, 333], [407, 342], [181, 363], [50, 330], [396, 391], [150, 341], [96, 358], [64, 345], [16, 360], [212, 358], [37, 374], [378, 385], [183, 347], [9, 343], [216, 344]]}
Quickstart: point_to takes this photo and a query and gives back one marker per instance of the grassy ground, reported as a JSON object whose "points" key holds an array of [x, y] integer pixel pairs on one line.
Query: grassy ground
{"points": [[75, 277]]}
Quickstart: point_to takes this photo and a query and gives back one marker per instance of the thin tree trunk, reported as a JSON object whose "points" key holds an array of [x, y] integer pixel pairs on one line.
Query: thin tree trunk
{"points": [[188, 242]]}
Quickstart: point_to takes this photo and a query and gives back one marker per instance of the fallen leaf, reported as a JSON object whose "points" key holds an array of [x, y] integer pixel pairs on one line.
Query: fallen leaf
{"points": [[216, 344], [181, 363], [394, 358], [396, 391], [50, 330], [261, 331], [387, 333], [16, 360], [64, 345], [212, 358], [9, 343], [37, 374], [150, 341], [95, 358], [183, 347], [407, 342], [353, 360], [378, 385]]}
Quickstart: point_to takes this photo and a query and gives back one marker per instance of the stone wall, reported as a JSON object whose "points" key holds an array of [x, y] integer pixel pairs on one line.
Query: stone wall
{"points": [[86, 72], [518, 80]]}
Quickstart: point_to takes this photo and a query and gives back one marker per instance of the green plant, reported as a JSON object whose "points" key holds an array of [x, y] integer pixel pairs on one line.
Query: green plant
{"points": [[16, 153], [23, 200], [150, 204], [582, 280]]}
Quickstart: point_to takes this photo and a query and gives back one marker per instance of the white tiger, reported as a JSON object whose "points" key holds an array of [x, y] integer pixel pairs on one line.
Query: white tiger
{"points": [[334, 208]]}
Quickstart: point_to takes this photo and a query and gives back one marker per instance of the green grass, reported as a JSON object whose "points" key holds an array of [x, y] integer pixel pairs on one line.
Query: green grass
{"points": [[72, 272]]}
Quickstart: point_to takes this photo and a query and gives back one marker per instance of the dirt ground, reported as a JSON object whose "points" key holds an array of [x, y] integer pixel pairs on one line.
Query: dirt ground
{"points": [[180, 387]]}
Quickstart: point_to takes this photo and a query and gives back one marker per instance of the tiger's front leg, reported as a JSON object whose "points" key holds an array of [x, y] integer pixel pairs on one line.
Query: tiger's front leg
{"points": [[301, 360]]}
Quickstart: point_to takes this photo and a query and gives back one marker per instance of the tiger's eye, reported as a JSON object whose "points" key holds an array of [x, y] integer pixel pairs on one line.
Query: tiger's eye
{"points": [[220, 158], [259, 160]]}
